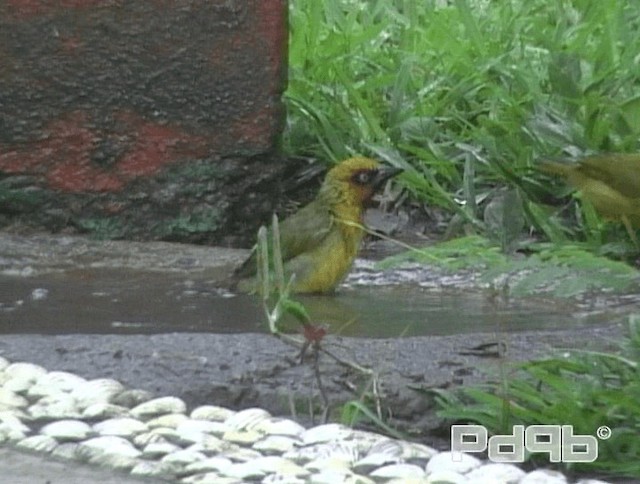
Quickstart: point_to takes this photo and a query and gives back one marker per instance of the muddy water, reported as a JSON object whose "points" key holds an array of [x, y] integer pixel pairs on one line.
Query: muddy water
{"points": [[123, 300]]}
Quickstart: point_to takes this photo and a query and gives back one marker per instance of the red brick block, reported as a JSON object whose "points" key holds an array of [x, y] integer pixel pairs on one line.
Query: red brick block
{"points": [[97, 95]]}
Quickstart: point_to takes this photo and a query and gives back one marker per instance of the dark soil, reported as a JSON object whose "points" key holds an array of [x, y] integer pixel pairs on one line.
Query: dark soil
{"points": [[258, 370]]}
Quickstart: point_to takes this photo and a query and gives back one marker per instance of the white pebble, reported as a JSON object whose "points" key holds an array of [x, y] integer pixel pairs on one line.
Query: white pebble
{"points": [[346, 451], [446, 477], [107, 445], [409, 480], [66, 450], [38, 443], [212, 445], [282, 479], [374, 461], [184, 457], [19, 384], [279, 465], [244, 471], [496, 472], [240, 454], [53, 407], [17, 413], [11, 399], [67, 430], [367, 440], [328, 463], [407, 451], [101, 390], [326, 433], [275, 444], [399, 471], [210, 464], [55, 382], [24, 370], [132, 397], [170, 435], [243, 437], [170, 420], [209, 478], [158, 469], [246, 419], [334, 476], [200, 438], [12, 433], [114, 461], [194, 436], [544, 476], [159, 406], [122, 427], [452, 461], [202, 426], [104, 411], [155, 450], [211, 412], [147, 438], [10, 420], [279, 426]]}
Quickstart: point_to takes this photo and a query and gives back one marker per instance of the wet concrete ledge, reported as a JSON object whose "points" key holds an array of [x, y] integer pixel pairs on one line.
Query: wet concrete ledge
{"points": [[18, 467], [28, 255], [245, 370], [253, 369]]}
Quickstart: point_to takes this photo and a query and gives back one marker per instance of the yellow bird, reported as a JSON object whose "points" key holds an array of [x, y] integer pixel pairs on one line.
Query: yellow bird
{"points": [[610, 182], [320, 241]]}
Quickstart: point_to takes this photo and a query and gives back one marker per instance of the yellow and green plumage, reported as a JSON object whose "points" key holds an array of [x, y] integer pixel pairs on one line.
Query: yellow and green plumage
{"points": [[610, 182], [321, 240]]}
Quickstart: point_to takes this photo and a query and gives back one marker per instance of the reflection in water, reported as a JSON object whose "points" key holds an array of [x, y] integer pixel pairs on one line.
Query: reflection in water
{"points": [[392, 311], [122, 301]]}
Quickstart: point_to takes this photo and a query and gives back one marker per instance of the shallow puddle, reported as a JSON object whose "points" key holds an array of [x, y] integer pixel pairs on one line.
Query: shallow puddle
{"points": [[134, 301]]}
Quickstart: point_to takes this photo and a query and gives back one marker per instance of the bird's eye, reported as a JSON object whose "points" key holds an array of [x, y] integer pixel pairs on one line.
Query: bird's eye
{"points": [[363, 177]]}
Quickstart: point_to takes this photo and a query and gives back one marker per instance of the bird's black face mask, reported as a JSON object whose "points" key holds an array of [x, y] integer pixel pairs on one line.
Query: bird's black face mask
{"points": [[375, 178]]}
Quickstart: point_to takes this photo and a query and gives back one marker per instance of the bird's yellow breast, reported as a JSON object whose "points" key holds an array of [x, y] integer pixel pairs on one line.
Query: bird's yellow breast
{"points": [[610, 203], [323, 268], [611, 183]]}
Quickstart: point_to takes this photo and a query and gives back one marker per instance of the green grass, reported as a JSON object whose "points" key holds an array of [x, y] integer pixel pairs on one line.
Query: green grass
{"points": [[468, 96], [585, 389], [561, 271]]}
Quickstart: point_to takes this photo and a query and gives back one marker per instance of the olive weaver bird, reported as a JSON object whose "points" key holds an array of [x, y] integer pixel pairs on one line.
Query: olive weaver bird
{"points": [[320, 241], [610, 182]]}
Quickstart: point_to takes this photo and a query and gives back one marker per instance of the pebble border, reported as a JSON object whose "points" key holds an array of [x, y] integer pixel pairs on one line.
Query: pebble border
{"points": [[101, 422]]}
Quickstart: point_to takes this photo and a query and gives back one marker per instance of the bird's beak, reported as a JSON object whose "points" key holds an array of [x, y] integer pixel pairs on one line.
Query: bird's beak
{"points": [[384, 174]]}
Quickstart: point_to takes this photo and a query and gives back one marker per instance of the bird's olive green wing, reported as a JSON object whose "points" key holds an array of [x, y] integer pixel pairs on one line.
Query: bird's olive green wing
{"points": [[619, 171], [301, 232], [305, 230]]}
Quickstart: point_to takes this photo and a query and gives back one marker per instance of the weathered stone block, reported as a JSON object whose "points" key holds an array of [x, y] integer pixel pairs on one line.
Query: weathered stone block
{"points": [[138, 119]]}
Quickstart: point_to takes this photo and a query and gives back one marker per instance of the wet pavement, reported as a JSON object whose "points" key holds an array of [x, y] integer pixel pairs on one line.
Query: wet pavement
{"points": [[24, 468], [153, 316], [67, 285], [125, 301]]}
